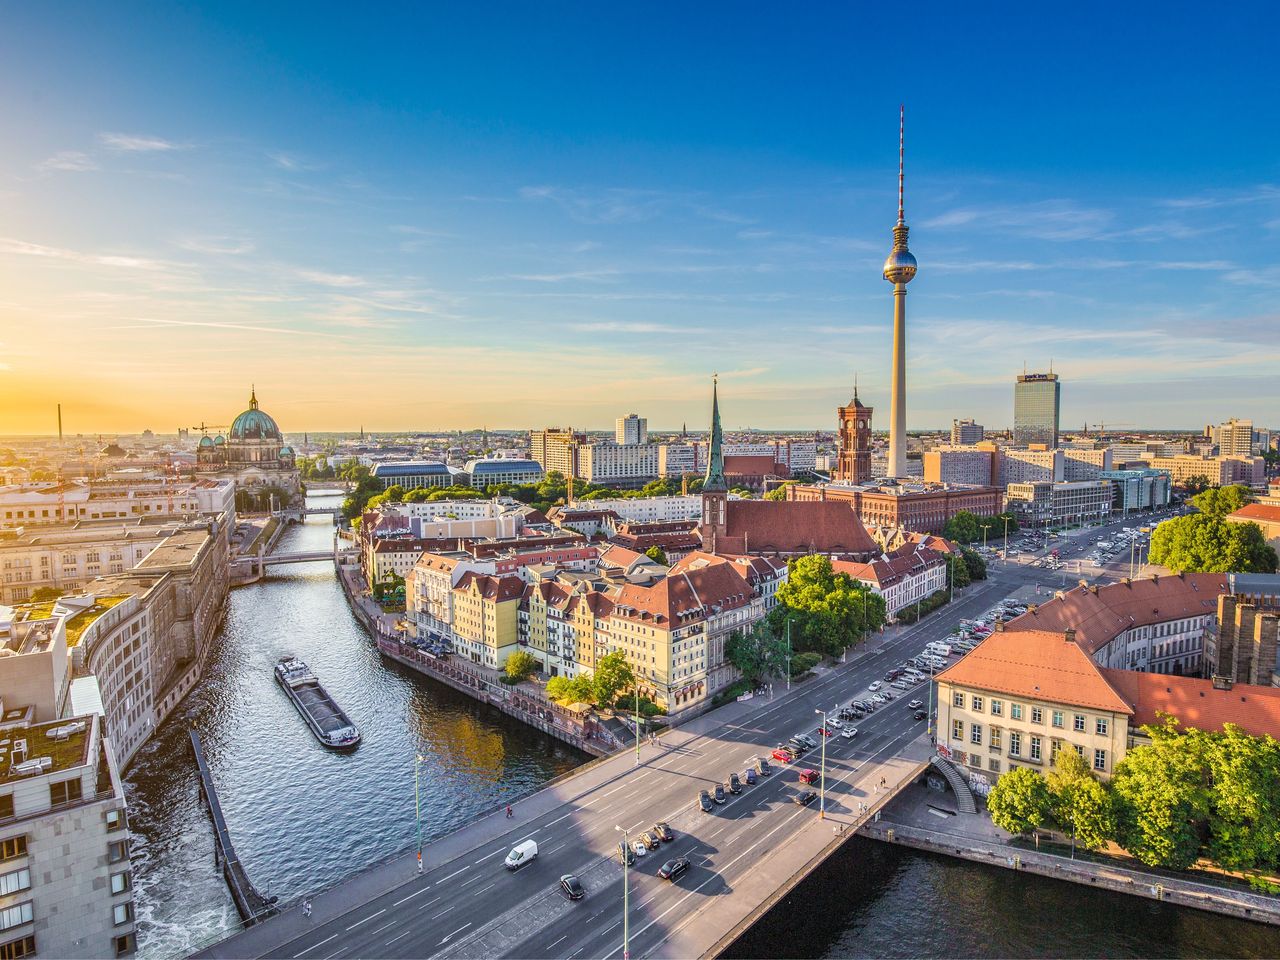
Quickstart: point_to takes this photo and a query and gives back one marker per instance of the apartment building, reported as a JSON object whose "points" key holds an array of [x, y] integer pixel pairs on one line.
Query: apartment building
{"points": [[1220, 471], [631, 429], [1083, 464], [1155, 624], [66, 888], [1066, 504], [962, 465], [42, 504], [486, 616], [965, 432], [1033, 464], [556, 449], [618, 464], [1234, 438], [903, 577]]}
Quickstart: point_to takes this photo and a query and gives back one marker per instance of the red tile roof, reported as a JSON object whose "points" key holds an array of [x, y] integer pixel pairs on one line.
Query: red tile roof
{"points": [[887, 570], [492, 588], [685, 597], [752, 465], [1257, 512], [1196, 703], [1038, 665], [795, 527], [1099, 614]]}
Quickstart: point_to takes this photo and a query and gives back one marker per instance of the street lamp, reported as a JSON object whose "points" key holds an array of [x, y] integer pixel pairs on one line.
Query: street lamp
{"points": [[637, 719], [418, 761], [788, 653], [822, 769], [626, 895], [1005, 556]]}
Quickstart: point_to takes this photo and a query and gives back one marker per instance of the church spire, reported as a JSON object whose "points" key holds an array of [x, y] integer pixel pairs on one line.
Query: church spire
{"points": [[714, 481], [253, 397]]}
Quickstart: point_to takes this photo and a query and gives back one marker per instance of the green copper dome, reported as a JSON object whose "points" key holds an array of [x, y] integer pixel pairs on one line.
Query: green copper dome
{"points": [[254, 424]]}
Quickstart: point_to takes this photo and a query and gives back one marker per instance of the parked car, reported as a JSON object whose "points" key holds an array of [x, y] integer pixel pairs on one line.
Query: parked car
{"points": [[704, 801], [849, 732], [640, 847], [783, 754], [915, 704], [572, 887], [823, 731], [672, 869], [920, 715], [662, 831], [797, 745], [720, 797], [749, 775], [762, 767], [650, 841], [734, 784], [808, 739], [809, 776], [804, 797], [874, 686]]}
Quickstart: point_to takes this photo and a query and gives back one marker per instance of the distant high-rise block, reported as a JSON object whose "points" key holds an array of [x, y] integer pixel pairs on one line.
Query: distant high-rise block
{"points": [[966, 431], [1036, 401], [631, 429]]}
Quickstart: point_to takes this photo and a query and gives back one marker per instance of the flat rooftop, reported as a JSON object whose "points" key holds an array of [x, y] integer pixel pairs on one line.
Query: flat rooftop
{"points": [[64, 742], [179, 550]]}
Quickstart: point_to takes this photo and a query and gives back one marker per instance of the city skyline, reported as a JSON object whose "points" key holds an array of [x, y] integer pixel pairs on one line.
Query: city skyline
{"points": [[469, 237]]}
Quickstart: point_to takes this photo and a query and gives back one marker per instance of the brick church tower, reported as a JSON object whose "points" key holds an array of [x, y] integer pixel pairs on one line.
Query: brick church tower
{"points": [[854, 442]]}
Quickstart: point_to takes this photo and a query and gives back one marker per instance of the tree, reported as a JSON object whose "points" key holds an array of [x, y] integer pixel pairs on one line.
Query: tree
{"points": [[1081, 805], [779, 493], [758, 654], [958, 570], [1162, 798], [962, 528], [613, 675], [45, 594], [1220, 501], [1197, 484], [656, 554], [742, 492], [828, 610], [1244, 825], [1020, 801], [977, 566], [521, 665], [1202, 543], [579, 689]]}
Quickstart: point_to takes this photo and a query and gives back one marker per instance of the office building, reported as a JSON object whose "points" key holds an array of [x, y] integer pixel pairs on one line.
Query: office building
{"points": [[1218, 471], [631, 430], [618, 464], [489, 472], [1036, 406], [1138, 489], [1235, 438], [413, 474], [923, 507], [1085, 464], [966, 432], [1066, 504], [556, 449], [964, 465], [1034, 464]]}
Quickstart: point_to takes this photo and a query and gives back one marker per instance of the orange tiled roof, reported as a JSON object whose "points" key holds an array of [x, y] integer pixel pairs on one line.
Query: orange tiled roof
{"points": [[1099, 614], [687, 596], [1038, 665], [1196, 703], [796, 526], [1261, 512]]}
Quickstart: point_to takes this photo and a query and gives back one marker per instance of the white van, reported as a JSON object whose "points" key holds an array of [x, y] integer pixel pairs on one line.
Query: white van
{"points": [[522, 853], [941, 649]]}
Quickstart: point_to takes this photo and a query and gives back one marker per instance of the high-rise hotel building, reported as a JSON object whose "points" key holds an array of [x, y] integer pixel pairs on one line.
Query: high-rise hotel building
{"points": [[1036, 401]]}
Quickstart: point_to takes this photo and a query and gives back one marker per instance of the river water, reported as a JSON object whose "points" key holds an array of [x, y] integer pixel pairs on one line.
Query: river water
{"points": [[302, 817]]}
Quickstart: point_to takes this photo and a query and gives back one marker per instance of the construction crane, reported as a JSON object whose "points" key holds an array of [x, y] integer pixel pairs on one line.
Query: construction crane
{"points": [[204, 428], [1102, 427]]}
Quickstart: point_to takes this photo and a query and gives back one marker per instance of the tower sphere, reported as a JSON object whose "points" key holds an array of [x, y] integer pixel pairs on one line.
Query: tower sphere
{"points": [[900, 266]]}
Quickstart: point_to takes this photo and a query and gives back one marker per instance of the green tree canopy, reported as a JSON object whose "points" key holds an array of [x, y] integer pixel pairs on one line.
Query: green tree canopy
{"points": [[958, 570], [828, 611], [613, 675], [1201, 543], [566, 690], [1080, 804], [758, 653], [1197, 484], [1244, 826], [521, 665], [1219, 501], [1020, 801], [962, 528], [977, 566], [657, 555], [778, 493]]}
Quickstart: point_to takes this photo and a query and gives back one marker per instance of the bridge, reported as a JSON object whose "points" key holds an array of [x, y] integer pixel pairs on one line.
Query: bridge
{"points": [[745, 854], [251, 904], [304, 556], [334, 512]]}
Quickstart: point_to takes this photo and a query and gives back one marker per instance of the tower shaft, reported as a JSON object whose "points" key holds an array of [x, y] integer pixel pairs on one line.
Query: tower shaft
{"points": [[898, 403]]}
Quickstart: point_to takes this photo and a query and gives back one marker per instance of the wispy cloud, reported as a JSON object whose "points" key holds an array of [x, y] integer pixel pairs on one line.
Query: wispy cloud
{"points": [[1262, 193], [27, 249], [220, 245], [623, 326], [135, 143], [603, 275], [74, 160], [614, 205], [292, 162], [1044, 220], [141, 322], [331, 279]]}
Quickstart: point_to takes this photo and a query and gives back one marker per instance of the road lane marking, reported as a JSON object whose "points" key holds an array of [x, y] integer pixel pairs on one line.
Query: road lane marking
{"points": [[454, 934], [442, 913], [411, 896], [368, 918], [484, 888], [387, 926], [487, 856], [526, 837], [558, 819], [552, 947], [314, 946], [394, 939], [450, 876]]}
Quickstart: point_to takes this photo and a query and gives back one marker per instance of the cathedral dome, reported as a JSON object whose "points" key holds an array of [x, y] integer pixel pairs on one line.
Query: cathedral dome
{"points": [[254, 424], [219, 440], [206, 441]]}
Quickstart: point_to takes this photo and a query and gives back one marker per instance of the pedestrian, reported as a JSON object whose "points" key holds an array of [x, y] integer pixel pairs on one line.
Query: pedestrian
{"points": [[509, 814], [306, 908], [419, 863]]}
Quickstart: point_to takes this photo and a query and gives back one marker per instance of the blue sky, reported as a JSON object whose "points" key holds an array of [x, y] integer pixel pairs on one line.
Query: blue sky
{"points": [[519, 215]]}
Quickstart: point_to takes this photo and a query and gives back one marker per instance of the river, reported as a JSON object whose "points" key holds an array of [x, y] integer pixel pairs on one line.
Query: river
{"points": [[303, 817]]}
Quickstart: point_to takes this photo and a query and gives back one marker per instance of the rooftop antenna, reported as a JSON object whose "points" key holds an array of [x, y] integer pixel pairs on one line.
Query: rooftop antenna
{"points": [[855, 385], [59, 424], [902, 115]]}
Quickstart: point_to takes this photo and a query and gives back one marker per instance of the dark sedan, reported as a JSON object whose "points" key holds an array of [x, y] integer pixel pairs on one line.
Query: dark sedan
{"points": [[672, 869], [572, 887], [704, 801], [804, 797], [662, 831]]}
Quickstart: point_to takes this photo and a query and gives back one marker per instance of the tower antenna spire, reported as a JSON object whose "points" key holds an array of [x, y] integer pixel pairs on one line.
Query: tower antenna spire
{"points": [[855, 385], [902, 116]]}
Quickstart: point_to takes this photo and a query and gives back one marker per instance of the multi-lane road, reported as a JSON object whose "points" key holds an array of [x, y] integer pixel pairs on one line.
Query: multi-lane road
{"points": [[470, 905]]}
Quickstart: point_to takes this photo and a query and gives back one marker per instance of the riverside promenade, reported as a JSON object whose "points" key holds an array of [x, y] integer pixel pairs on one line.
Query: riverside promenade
{"points": [[927, 819]]}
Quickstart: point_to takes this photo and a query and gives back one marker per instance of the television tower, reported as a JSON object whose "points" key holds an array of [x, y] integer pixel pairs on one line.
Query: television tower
{"points": [[899, 270]]}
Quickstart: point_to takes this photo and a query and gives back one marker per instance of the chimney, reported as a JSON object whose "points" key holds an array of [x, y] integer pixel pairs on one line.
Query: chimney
{"points": [[999, 626], [1069, 634]]}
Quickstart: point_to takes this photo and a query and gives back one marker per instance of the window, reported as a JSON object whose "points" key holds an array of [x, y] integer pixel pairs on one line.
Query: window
{"points": [[16, 949], [1035, 748], [1037, 715], [1079, 722], [957, 699], [997, 708], [957, 729], [975, 733], [13, 847], [1100, 725], [15, 916], [1015, 711], [117, 850], [1015, 743], [993, 764], [14, 881], [977, 704], [6, 806], [122, 912], [125, 945], [1079, 749], [1057, 719], [1055, 747], [120, 882], [995, 738], [65, 791], [1099, 759]]}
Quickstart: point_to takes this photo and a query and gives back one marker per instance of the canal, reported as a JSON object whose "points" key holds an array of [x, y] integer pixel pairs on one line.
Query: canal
{"points": [[303, 817]]}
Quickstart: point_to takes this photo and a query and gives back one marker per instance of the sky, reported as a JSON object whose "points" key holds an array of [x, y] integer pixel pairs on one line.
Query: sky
{"points": [[431, 216]]}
